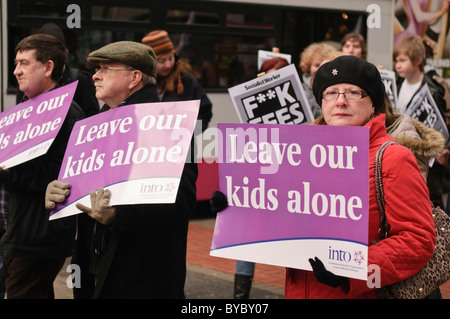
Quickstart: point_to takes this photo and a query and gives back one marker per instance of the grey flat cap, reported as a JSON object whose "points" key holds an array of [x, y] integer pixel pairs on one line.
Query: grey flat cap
{"points": [[137, 55]]}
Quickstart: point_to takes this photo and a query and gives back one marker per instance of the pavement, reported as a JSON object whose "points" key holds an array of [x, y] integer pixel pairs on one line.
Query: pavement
{"points": [[213, 277], [207, 277]]}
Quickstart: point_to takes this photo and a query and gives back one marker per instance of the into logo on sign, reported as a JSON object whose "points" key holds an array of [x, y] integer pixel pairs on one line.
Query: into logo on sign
{"points": [[340, 255], [151, 188]]}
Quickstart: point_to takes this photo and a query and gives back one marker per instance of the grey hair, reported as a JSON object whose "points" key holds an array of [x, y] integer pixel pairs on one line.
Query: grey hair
{"points": [[148, 79]]}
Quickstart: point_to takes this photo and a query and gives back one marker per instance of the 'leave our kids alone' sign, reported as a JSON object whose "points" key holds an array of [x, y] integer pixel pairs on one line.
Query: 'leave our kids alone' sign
{"points": [[28, 129], [294, 192]]}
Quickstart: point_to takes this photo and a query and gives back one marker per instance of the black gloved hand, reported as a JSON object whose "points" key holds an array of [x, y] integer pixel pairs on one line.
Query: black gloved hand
{"points": [[218, 202], [326, 277]]}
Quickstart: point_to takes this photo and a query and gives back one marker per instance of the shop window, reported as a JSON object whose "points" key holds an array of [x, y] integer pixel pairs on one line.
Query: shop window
{"points": [[252, 21], [48, 9], [115, 13], [192, 17]]}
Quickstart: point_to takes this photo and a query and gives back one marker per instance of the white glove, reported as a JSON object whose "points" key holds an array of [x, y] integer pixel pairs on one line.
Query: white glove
{"points": [[100, 209]]}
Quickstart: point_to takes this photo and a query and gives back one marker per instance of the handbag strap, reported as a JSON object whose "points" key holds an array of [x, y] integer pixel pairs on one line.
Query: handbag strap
{"points": [[383, 230]]}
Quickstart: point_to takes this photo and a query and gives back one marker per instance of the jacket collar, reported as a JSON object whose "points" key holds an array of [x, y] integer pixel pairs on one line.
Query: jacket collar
{"points": [[377, 128], [147, 94]]}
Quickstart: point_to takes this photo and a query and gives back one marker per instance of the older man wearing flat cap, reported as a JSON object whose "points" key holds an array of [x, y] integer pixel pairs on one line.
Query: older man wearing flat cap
{"points": [[122, 69], [135, 251]]}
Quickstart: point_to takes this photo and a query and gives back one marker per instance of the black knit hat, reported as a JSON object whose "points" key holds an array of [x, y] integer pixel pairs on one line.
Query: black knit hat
{"points": [[352, 70]]}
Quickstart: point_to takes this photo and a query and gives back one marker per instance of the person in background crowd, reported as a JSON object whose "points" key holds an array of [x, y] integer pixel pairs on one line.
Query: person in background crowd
{"points": [[310, 60], [354, 44], [443, 157], [33, 246], [423, 142], [174, 79], [409, 57], [137, 251], [273, 64]]}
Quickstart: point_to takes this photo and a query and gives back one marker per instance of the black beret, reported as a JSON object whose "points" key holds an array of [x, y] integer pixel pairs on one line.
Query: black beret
{"points": [[352, 70], [137, 55]]}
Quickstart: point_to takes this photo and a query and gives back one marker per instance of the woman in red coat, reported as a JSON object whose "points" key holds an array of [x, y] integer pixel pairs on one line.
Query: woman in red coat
{"points": [[350, 92]]}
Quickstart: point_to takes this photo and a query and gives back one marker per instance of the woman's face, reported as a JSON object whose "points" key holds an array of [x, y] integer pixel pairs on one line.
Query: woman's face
{"points": [[352, 47], [344, 112], [165, 64]]}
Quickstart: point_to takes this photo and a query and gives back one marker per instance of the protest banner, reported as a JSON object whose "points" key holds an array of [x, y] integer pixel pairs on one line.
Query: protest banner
{"points": [[294, 192], [263, 56], [136, 151], [388, 78], [28, 129], [275, 98], [423, 108]]}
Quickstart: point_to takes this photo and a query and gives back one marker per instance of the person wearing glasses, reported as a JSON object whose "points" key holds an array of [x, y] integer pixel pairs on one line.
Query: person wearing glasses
{"points": [[133, 251], [33, 248], [351, 93]]}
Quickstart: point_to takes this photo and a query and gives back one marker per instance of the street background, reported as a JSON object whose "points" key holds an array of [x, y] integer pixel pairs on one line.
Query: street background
{"points": [[212, 277]]}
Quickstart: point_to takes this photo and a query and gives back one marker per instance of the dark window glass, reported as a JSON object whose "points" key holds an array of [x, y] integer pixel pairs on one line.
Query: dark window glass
{"points": [[250, 20], [192, 17], [41, 8], [220, 39], [115, 13], [221, 61]]}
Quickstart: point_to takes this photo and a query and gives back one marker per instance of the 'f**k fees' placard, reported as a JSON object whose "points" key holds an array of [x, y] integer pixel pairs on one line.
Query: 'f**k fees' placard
{"points": [[275, 98]]}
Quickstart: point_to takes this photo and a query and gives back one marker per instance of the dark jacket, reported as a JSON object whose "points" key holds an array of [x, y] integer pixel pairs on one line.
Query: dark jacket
{"points": [[29, 232], [192, 91], [143, 253]]}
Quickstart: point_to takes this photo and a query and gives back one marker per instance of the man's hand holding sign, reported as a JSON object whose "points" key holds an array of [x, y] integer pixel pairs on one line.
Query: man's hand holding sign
{"points": [[100, 209]]}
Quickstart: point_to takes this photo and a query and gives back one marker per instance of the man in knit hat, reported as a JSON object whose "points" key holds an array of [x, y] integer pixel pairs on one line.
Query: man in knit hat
{"points": [[134, 251]]}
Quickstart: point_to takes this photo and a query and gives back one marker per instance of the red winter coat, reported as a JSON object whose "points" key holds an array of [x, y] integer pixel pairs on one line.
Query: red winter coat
{"points": [[408, 211]]}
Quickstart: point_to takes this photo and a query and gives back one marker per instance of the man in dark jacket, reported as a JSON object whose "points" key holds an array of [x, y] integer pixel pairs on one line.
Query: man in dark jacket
{"points": [[85, 91], [137, 251], [34, 248]]}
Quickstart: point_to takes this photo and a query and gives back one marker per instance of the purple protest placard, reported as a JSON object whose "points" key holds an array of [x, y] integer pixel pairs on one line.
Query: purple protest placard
{"points": [[136, 151], [28, 129], [294, 192]]}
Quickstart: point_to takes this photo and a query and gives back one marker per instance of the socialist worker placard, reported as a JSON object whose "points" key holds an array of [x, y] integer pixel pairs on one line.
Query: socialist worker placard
{"points": [[275, 98]]}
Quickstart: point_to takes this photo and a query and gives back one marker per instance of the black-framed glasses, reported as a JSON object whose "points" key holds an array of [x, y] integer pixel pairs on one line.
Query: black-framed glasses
{"points": [[350, 95]]}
